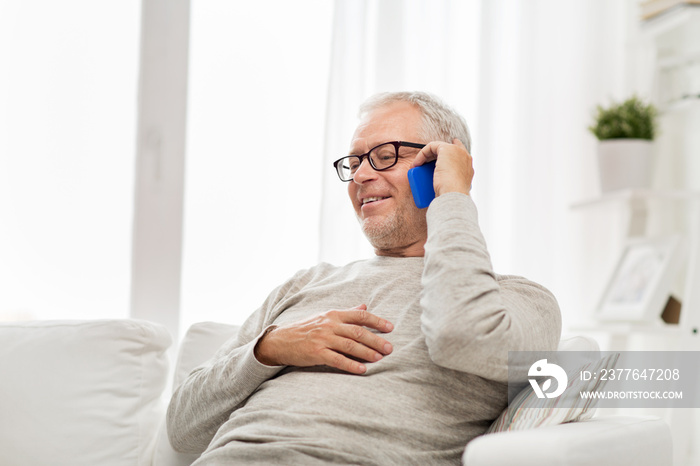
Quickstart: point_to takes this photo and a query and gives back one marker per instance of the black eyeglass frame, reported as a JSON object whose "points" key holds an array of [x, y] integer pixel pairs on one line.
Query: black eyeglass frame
{"points": [[396, 145]]}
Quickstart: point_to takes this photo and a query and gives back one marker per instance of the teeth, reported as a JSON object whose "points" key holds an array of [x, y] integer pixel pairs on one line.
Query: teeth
{"points": [[371, 199]]}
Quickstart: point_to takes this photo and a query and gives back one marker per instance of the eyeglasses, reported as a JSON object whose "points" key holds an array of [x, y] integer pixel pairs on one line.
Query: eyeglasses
{"points": [[381, 157]]}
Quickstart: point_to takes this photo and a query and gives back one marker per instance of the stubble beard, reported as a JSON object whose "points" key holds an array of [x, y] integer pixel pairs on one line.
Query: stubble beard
{"points": [[396, 230]]}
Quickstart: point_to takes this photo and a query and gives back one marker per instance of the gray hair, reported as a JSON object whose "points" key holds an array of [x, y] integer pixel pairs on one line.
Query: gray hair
{"points": [[440, 121]]}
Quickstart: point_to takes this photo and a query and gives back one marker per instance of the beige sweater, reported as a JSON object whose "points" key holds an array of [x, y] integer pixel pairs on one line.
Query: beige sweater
{"points": [[442, 385]]}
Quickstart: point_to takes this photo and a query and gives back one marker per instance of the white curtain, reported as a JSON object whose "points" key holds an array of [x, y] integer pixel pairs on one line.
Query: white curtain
{"points": [[258, 74], [526, 75], [386, 46]]}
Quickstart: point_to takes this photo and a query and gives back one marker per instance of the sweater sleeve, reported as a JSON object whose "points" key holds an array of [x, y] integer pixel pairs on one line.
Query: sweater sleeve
{"points": [[212, 391], [472, 317]]}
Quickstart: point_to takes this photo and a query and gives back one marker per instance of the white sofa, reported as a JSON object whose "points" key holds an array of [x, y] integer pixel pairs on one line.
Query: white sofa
{"points": [[94, 393]]}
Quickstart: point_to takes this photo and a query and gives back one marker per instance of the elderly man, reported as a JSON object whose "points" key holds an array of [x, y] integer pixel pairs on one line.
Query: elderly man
{"points": [[398, 359]]}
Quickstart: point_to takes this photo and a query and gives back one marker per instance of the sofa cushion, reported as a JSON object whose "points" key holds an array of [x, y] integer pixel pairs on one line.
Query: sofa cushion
{"points": [[80, 392], [200, 343]]}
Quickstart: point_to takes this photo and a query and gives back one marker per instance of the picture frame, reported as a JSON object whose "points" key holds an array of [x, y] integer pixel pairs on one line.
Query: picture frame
{"points": [[641, 282]]}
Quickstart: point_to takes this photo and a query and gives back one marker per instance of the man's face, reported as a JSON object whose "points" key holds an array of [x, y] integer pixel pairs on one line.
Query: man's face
{"points": [[393, 224]]}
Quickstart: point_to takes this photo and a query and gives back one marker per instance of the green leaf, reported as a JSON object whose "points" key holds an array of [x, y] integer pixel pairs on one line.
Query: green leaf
{"points": [[631, 119]]}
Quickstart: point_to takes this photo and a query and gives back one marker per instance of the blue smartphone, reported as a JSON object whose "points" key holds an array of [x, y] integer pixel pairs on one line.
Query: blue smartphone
{"points": [[421, 180]]}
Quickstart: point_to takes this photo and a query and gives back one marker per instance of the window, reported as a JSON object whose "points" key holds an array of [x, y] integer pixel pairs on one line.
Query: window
{"points": [[67, 124]]}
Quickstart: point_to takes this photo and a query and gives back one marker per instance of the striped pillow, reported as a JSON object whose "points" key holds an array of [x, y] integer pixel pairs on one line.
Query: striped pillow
{"points": [[526, 411]]}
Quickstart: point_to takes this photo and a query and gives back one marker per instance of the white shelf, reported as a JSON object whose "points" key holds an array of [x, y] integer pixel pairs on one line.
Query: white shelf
{"points": [[629, 328], [671, 20], [630, 195], [678, 105], [677, 61]]}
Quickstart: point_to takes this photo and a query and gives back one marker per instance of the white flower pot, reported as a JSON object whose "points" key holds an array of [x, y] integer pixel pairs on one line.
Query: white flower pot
{"points": [[624, 164]]}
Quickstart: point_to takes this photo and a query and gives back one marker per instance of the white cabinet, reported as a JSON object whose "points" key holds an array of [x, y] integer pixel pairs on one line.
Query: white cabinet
{"points": [[674, 37], [664, 65], [638, 205], [683, 336]]}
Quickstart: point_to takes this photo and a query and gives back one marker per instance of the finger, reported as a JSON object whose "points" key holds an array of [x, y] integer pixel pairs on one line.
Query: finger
{"points": [[427, 154], [364, 336], [350, 347], [338, 361], [366, 319], [457, 142]]}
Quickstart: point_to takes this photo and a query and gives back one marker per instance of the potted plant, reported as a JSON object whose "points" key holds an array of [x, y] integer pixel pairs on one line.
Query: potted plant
{"points": [[625, 132]]}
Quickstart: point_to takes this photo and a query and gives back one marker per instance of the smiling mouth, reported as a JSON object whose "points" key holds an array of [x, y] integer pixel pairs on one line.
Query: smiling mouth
{"points": [[368, 200]]}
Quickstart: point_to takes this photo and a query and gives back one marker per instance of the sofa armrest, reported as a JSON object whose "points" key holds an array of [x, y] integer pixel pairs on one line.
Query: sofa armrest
{"points": [[80, 392], [610, 440]]}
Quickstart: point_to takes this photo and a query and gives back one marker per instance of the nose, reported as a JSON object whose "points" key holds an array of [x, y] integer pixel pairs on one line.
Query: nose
{"points": [[364, 172]]}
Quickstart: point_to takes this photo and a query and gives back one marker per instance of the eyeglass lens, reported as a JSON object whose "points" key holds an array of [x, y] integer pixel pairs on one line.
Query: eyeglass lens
{"points": [[381, 157]]}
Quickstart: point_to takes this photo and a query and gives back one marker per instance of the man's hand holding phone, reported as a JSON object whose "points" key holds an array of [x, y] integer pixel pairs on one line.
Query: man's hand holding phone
{"points": [[453, 166]]}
